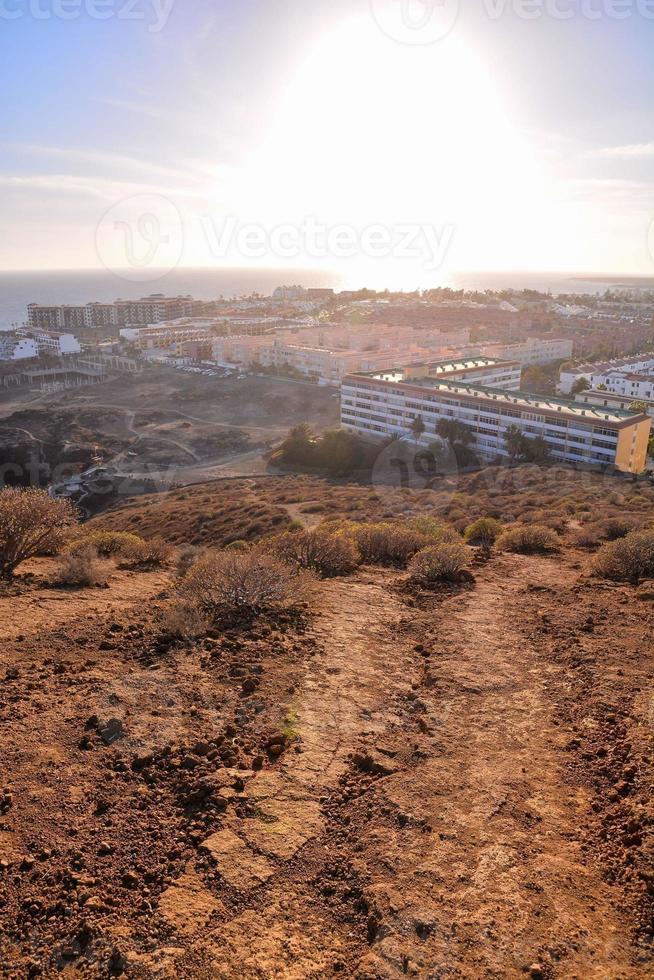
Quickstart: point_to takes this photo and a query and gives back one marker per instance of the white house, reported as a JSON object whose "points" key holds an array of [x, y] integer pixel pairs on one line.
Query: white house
{"points": [[15, 348]]}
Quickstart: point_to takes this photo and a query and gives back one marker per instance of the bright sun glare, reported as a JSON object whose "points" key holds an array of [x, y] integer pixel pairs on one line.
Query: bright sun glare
{"points": [[380, 132]]}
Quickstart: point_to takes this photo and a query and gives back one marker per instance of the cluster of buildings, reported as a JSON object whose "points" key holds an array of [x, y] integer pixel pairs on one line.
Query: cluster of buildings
{"points": [[484, 395], [390, 361], [149, 309], [25, 343]]}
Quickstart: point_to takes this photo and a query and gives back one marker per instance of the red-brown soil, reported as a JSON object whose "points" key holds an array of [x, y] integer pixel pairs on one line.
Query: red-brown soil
{"points": [[450, 784]]}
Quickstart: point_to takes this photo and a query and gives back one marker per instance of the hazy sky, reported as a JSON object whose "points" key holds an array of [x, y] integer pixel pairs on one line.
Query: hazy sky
{"points": [[328, 133]]}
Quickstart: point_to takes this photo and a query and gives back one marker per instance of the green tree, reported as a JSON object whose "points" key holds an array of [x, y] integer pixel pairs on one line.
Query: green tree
{"points": [[454, 431], [514, 442], [299, 446], [418, 427], [638, 407], [581, 384]]}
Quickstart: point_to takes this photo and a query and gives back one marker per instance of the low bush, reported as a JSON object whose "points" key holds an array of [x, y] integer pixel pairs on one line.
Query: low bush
{"points": [[589, 537], [438, 563], [329, 555], [187, 557], [614, 528], [529, 539], [483, 532], [152, 553], [107, 544], [388, 544], [81, 568], [431, 529], [185, 620], [242, 586], [627, 559], [238, 545]]}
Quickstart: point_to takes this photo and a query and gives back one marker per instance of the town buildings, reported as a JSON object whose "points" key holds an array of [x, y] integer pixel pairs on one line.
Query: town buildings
{"points": [[384, 404], [149, 309], [601, 372], [609, 399], [14, 347]]}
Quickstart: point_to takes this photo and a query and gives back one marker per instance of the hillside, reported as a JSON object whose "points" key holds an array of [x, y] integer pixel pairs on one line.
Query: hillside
{"points": [[402, 782]]}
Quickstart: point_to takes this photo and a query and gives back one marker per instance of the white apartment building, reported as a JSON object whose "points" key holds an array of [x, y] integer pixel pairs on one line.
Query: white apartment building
{"points": [[51, 342], [380, 405], [634, 386], [609, 399], [593, 373]]}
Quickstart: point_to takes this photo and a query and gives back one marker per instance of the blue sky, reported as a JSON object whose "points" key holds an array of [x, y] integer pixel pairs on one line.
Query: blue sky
{"points": [[531, 141]]}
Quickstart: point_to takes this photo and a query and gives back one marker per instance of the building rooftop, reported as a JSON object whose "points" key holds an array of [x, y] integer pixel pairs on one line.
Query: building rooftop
{"points": [[437, 368], [603, 367]]}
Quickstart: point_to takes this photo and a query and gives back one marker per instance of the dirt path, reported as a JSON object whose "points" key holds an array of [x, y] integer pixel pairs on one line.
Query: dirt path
{"points": [[500, 886], [423, 826]]}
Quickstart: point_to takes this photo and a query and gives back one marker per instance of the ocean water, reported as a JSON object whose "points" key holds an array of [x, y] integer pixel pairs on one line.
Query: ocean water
{"points": [[17, 289]]}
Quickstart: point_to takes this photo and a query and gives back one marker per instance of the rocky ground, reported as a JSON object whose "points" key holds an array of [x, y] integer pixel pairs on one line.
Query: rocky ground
{"points": [[451, 784]]}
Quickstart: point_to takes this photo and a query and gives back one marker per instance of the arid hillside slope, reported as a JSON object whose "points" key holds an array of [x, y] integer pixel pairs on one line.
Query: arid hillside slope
{"points": [[405, 783]]}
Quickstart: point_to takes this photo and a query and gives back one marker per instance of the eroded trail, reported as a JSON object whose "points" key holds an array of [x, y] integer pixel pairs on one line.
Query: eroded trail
{"points": [[423, 825]]}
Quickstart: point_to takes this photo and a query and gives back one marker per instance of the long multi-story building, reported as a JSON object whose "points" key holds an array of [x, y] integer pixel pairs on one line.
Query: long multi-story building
{"points": [[385, 404], [149, 309]]}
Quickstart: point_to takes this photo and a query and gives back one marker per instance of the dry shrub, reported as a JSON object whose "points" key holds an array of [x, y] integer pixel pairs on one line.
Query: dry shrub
{"points": [[431, 529], [438, 563], [187, 557], [238, 545], [185, 620], [329, 555], [587, 537], [627, 559], [614, 528], [237, 586], [529, 539], [146, 554], [31, 523], [107, 544], [81, 568], [388, 544], [483, 532]]}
